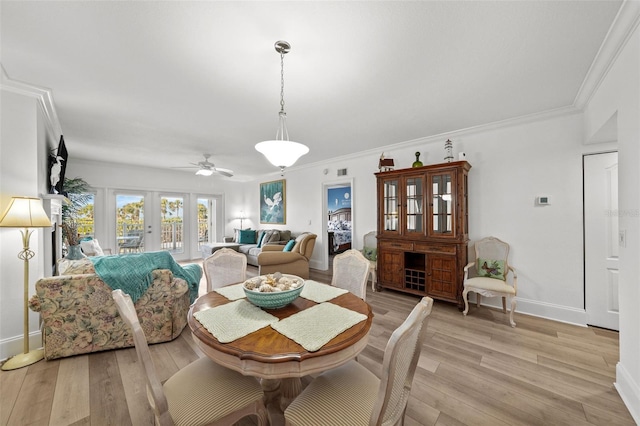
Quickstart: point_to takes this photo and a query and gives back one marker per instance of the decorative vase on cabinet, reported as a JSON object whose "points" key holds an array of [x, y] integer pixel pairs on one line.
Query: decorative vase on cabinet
{"points": [[417, 163], [423, 230]]}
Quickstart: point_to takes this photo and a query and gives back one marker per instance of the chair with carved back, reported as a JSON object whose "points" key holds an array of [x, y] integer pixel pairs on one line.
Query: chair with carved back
{"points": [[350, 271], [202, 393], [489, 276], [353, 395], [225, 266]]}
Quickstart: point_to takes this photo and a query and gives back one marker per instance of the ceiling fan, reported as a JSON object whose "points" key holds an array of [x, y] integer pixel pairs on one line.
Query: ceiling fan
{"points": [[207, 168]]}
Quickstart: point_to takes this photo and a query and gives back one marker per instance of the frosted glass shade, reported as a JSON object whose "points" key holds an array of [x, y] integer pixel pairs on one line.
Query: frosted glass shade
{"points": [[282, 153], [204, 172], [25, 212]]}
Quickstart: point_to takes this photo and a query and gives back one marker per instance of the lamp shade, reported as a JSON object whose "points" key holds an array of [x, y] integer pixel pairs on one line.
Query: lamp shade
{"points": [[282, 153], [25, 212]]}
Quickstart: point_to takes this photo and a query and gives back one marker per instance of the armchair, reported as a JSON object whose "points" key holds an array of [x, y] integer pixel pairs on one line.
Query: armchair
{"points": [[489, 277], [272, 258]]}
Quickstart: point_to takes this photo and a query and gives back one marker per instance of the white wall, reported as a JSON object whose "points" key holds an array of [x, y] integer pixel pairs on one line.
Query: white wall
{"points": [[619, 94], [511, 165], [24, 145]]}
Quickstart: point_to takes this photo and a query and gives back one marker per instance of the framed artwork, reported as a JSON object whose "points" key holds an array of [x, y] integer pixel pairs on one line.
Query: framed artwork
{"points": [[57, 167], [273, 202]]}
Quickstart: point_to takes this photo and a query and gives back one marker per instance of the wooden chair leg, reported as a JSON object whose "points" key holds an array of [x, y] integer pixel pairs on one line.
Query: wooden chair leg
{"points": [[478, 296], [504, 305]]}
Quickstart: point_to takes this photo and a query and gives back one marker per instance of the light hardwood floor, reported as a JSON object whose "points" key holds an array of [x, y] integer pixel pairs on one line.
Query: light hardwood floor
{"points": [[474, 370]]}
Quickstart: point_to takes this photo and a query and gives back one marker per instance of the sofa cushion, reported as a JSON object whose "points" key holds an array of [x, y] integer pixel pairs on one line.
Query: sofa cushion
{"points": [[254, 251], [289, 245]]}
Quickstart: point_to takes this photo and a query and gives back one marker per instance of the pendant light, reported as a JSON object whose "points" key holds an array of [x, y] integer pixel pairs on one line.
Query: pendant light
{"points": [[282, 152]]}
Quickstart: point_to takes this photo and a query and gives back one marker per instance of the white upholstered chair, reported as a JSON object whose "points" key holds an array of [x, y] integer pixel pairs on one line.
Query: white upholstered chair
{"points": [[489, 276], [202, 393], [350, 271], [370, 251], [225, 266], [353, 395]]}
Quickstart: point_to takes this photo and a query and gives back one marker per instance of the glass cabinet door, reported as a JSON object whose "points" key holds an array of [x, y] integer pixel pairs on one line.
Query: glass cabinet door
{"points": [[414, 197], [391, 194], [441, 205]]}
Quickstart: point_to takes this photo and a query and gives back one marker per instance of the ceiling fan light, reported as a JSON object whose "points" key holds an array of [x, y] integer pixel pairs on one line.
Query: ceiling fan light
{"points": [[204, 172], [282, 153]]}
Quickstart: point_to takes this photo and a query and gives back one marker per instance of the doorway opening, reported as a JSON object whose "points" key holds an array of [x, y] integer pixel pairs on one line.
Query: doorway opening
{"points": [[338, 226]]}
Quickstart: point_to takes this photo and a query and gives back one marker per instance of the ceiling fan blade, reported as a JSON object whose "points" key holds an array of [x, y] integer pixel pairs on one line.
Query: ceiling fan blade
{"points": [[186, 167], [224, 172]]}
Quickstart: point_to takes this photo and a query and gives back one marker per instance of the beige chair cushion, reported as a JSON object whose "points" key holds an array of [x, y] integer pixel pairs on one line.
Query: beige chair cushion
{"points": [[489, 284], [193, 400], [342, 396]]}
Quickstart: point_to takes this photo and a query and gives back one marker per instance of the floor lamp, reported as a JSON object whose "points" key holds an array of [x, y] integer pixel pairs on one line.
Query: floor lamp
{"points": [[25, 212]]}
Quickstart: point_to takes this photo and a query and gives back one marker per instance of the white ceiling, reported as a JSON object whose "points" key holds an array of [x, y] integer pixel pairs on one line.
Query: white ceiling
{"points": [[160, 83]]}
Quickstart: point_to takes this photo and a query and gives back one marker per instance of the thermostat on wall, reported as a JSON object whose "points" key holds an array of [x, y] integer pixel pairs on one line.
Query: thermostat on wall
{"points": [[543, 200]]}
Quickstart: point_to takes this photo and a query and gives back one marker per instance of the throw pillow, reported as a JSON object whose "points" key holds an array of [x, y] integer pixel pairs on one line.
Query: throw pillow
{"points": [[247, 236], [370, 253], [274, 237], [91, 248], [289, 245], [285, 235], [261, 238], [491, 268]]}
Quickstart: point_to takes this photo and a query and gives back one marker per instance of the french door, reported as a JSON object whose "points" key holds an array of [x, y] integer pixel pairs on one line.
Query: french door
{"points": [[132, 226]]}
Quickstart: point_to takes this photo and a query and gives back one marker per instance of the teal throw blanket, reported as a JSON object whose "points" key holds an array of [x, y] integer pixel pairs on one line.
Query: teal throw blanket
{"points": [[133, 273]]}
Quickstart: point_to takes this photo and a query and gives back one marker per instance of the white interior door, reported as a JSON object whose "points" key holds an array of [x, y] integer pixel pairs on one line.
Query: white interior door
{"points": [[601, 239]]}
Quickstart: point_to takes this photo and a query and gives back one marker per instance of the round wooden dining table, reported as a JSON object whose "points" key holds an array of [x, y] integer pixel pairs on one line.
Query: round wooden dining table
{"points": [[279, 361]]}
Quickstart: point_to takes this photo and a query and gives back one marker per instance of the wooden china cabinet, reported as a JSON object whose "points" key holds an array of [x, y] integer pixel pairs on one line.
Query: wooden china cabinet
{"points": [[423, 230]]}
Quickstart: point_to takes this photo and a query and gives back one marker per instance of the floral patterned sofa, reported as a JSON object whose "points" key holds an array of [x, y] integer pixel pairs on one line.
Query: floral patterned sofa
{"points": [[79, 316]]}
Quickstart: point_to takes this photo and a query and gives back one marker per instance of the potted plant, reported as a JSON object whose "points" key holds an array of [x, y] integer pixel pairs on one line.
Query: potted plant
{"points": [[78, 192]]}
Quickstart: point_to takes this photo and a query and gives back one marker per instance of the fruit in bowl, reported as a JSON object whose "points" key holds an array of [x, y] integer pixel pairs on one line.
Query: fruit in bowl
{"points": [[273, 291]]}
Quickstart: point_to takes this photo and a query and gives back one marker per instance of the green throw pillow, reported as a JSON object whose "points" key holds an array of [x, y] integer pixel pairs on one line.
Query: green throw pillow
{"points": [[491, 268], [370, 253], [247, 236], [289, 245]]}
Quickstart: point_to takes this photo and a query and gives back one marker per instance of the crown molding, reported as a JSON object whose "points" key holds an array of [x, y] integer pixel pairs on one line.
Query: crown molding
{"points": [[42, 94], [623, 26], [439, 138]]}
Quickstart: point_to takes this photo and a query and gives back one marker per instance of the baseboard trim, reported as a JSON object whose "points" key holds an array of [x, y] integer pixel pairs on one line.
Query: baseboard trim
{"points": [[14, 345], [629, 391], [545, 310]]}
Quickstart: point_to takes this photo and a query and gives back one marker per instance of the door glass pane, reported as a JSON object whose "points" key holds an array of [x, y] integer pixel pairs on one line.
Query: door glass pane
{"points": [[171, 224], [442, 204], [130, 223], [414, 205], [206, 230], [390, 205]]}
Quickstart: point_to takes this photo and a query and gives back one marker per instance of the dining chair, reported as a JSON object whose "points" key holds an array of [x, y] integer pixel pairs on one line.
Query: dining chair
{"points": [[225, 266], [489, 277], [353, 395], [370, 251], [202, 393], [351, 271]]}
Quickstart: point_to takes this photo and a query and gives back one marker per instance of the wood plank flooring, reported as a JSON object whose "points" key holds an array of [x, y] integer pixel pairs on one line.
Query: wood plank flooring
{"points": [[474, 370]]}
